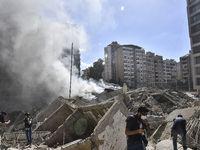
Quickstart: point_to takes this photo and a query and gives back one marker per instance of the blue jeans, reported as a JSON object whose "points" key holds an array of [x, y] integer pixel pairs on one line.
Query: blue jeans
{"points": [[135, 146], [28, 132], [174, 136]]}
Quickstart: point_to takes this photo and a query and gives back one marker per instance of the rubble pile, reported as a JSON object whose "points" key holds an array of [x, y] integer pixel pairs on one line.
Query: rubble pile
{"points": [[193, 129], [160, 102], [78, 124]]}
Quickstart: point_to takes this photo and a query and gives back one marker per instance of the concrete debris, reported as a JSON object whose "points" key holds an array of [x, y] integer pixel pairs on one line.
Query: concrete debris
{"points": [[160, 102], [105, 95], [164, 130], [193, 129], [167, 145], [79, 124]]}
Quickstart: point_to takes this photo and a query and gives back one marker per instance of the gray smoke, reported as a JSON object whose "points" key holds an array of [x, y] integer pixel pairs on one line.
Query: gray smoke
{"points": [[32, 39]]}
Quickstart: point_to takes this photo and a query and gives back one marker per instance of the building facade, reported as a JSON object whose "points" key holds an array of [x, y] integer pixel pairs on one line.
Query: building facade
{"points": [[158, 70], [131, 66], [110, 62], [125, 68], [193, 9], [141, 72], [150, 69], [178, 71], [170, 71], [185, 70]]}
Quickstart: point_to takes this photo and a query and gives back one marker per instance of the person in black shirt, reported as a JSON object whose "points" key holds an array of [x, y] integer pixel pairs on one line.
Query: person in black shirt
{"points": [[28, 128], [135, 127], [179, 127], [2, 118]]}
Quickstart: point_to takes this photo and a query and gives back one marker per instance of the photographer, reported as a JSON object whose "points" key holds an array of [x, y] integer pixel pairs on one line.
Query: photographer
{"points": [[135, 127], [28, 128]]}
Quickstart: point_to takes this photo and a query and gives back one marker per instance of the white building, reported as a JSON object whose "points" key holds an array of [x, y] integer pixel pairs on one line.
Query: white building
{"points": [[150, 69], [110, 61], [170, 71], [125, 71], [140, 61], [193, 10], [131, 66]]}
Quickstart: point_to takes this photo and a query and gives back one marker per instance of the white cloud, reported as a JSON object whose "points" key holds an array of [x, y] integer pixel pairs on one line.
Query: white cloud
{"points": [[91, 14], [85, 65]]}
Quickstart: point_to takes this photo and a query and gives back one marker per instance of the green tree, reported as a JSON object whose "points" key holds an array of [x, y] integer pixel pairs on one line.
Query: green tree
{"points": [[96, 70]]}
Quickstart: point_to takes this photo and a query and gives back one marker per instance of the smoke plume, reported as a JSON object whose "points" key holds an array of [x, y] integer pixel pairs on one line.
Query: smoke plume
{"points": [[33, 36]]}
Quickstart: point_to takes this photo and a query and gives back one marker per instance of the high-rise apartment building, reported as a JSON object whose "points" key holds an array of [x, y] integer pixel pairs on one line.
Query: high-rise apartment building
{"points": [[110, 61], [141, 72], [125, 66], [193, 9], [178, 71], [131, 66], [158, 69], [150, 69], [170, 71], [185, 69]]}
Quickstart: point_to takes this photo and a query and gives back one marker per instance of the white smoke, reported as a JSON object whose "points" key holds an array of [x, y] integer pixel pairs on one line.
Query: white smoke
{"points": [[32, 38]]}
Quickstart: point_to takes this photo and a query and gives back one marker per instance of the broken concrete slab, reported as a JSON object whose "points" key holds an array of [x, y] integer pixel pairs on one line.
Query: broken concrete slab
{"points": [[46, 112], [55, 119], [16, 137], [193, 129], [168, 145], [100, 126], [107, 94], [80, 124], [111, 124], [65, 133], [186, 112], [77, 145]]}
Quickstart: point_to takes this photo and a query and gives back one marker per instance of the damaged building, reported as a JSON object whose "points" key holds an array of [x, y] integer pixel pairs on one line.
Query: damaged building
{"points": [[77, 124]]}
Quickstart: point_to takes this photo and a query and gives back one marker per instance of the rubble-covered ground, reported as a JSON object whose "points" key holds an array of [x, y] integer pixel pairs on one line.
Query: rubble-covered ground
{"points": [[79, 124]]}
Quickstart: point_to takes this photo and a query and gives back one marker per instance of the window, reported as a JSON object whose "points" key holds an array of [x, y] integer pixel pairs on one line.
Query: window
{"points": [[196, 39], [195, 28], [195, 18], [196, 49], [197, 70], [197, 60], [198, 81], [191, 1], [194, 8]]}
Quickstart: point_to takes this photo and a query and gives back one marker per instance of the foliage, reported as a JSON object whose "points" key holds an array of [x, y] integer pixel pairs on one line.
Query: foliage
{"points": [[96, 70]]}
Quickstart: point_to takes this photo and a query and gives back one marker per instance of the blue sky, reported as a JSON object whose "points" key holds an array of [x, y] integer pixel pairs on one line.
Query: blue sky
{"points": [[159, 26]]}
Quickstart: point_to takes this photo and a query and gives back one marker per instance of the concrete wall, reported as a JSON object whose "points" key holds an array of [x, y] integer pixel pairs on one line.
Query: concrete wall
{"points": [[107, 95], [65, 133], [110, 131], [120, 66], [45, 113], [56, 119], [80, 124]]}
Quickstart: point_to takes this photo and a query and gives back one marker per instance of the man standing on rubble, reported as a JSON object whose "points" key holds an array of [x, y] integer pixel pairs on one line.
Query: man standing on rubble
{"points": [[135, 127], [179, 127], [28, 127], [2, 118]]}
